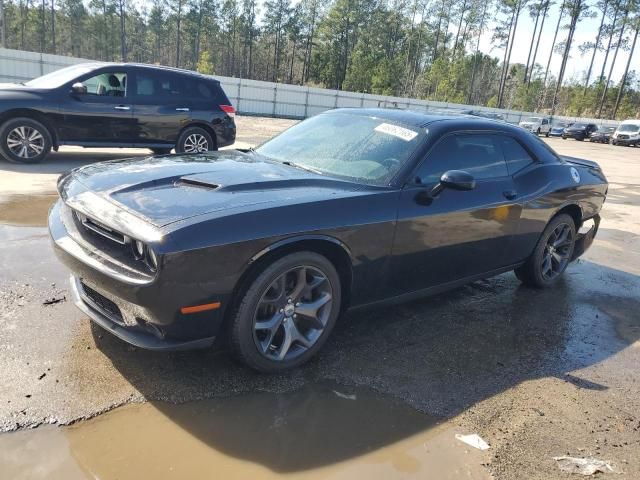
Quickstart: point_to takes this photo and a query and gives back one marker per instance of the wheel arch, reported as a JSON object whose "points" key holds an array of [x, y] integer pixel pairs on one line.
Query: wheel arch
{"points": [[573, 210], [202, 125], [34, 115], [333, 249]]}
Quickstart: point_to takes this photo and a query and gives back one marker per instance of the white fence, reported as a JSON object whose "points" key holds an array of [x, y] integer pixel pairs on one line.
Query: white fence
{"points": [[254, 97]]}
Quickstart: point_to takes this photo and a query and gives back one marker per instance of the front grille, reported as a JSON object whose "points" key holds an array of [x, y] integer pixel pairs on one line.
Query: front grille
{"points": [[101, 229], [623, 137], [103, 303]]}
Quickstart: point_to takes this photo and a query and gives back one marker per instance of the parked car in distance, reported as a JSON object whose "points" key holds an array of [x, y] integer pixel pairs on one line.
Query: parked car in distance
{"points": [[490, 115], [602, 134], [627, 133], [353, 207], [114, 105], [557, 129], [536, 125], [579, 131]]}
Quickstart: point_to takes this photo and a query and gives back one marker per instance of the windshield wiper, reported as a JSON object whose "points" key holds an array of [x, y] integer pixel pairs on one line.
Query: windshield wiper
{"points": [[302, 167]]}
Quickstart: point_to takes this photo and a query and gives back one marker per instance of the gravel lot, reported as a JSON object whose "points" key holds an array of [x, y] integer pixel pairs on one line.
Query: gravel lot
{"points": [[537, 374]]}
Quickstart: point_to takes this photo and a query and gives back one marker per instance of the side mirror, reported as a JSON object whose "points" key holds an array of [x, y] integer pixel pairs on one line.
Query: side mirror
{"points": [[79, 88], [453, 179], [457, 180]]}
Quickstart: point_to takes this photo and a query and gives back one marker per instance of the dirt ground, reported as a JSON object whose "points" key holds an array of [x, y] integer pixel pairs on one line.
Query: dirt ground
{"points": [[537, 374]]}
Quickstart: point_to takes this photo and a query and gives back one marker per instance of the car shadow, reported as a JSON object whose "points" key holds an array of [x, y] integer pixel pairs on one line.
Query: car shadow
{"points": [[441, 355]]}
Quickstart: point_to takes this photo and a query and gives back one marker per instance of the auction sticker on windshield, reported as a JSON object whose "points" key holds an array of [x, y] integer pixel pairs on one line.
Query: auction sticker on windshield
{"points": [[400, 132]]}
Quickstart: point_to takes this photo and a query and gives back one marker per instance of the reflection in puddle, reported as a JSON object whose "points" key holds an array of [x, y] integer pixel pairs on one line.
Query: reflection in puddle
{"points": [[25, 210], [322, 431]]}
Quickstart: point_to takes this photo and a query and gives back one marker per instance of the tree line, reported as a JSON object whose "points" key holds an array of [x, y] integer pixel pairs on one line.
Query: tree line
{"points": [[426, 49]]}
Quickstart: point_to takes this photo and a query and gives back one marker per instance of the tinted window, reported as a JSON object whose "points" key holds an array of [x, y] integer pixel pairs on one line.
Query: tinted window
{"points": [[168, 86], [479, 155], [514, 154]]}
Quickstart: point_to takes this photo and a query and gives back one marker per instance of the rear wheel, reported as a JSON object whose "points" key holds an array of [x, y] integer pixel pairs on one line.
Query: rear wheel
{"points": [[195, 140], [24, 140], [551, 255], [287, 313]]}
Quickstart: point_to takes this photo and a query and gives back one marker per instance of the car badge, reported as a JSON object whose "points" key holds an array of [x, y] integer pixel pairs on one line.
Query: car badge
{"points": [[575, 175]]}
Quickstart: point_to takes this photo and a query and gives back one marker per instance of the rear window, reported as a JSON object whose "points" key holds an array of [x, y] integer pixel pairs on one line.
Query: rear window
{"points": [[169, 86]]}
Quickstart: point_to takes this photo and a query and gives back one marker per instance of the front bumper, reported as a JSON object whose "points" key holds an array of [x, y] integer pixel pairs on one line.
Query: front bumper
{"points": [[145, 313], [134, 335], [625, 141], [586, 235], [555, 134], [576, 135]]}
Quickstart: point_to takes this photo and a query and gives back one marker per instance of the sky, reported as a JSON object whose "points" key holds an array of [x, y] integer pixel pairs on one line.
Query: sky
{"points": [[578, 64]]}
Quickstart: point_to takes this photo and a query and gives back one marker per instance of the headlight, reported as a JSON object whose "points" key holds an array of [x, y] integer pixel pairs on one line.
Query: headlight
{"points": [[152, 260], [138, 249]]}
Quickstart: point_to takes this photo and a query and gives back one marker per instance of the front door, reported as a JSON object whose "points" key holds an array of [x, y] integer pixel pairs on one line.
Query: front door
{"points": [[456, 234], [103, 114]]}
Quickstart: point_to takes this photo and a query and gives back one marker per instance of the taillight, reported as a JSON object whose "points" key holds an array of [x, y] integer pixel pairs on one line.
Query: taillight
{"points": [[229, 110]]}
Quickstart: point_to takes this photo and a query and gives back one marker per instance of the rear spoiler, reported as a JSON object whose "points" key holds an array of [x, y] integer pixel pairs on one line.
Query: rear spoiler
{"points": [[581, 161]]}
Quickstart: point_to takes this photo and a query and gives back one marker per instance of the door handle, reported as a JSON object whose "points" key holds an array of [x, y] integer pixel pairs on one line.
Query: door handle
{"points": [[122, 107], [182, 109], [510, 194]]}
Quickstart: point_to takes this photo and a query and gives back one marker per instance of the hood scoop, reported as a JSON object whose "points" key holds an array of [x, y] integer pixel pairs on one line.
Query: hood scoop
{"points": [[194, 181]]}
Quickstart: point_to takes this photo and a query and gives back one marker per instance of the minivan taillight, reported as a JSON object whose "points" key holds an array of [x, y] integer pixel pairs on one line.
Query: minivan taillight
{"points": [[229, 110]]}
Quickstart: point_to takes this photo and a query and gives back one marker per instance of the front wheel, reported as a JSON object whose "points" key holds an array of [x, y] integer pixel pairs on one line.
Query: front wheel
{"points": [[551, 255], [195, 140], [24, 140], [287, 313], [547, 134]]}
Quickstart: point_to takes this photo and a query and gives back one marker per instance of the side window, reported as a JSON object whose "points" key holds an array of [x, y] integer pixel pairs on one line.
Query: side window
{"points": [[545, 121], [514, 154], [110, 84], [478, 154]]}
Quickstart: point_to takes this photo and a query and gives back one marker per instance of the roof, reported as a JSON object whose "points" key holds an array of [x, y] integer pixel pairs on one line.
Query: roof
{"points": [[417, 119], [152, 67]]}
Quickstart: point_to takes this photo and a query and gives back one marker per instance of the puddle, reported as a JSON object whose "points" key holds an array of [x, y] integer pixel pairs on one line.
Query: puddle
{"points": [[25, 210], [321, 431]]}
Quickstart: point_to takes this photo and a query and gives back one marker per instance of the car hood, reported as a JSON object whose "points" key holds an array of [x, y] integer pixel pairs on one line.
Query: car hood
{"points": [[527, 124], [167, 189]]}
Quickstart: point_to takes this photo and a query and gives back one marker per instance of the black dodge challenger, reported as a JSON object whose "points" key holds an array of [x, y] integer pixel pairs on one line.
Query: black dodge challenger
{"points": [[265, 248]]}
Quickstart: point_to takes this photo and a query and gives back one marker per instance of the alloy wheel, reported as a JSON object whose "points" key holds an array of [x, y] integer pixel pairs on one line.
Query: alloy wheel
{"points": [[196, 143], [292, 313], [557, 251], [25, 142]]}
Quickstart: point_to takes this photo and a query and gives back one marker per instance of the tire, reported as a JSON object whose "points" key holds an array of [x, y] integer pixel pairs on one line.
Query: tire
{"points": [[263, 349], [538, 132], [161, 151], [534, 271], [37, 136], [547, 134], [195, 140]]}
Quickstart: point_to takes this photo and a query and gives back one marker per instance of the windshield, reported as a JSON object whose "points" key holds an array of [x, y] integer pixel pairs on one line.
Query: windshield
{"points": [[579, 125], [629, 127], [60, 77], [533, 119], [354, 147], [560, 125]]}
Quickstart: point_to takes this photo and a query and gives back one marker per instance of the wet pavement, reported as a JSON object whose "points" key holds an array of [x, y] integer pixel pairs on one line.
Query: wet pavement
{"points": [[536, 373]]}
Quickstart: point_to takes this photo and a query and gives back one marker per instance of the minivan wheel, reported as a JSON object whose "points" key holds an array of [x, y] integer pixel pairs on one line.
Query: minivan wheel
{"points": [[195, 140], [24, 140], [551, 255], [287, 313]]}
